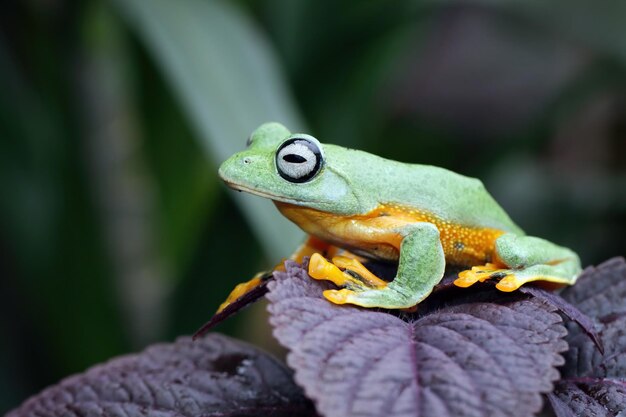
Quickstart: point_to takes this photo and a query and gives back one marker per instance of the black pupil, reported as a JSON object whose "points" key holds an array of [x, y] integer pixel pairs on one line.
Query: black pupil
{"points": [[300, 160], [293, 158]]}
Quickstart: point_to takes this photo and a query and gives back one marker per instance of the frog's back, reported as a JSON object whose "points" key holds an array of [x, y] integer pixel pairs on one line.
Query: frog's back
{"points": [[446, 194], [431, 190]]}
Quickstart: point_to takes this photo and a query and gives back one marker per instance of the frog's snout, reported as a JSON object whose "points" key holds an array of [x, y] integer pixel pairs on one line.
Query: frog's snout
{"points": [[242, 161], [235, 167], [241, 171]]}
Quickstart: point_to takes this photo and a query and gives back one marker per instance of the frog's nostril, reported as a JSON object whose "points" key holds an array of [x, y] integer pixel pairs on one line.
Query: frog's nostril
{"points": [[247, 160]]}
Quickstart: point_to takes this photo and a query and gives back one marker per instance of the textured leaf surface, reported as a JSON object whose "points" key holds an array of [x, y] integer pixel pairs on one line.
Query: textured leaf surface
{"points": [[592, 398], [469, 359], [594, 384], [214, 376], [601, 290], [573, 313]]}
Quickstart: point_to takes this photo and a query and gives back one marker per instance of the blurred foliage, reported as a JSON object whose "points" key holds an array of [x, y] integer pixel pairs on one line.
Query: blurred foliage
{"points": [[114, 231]]}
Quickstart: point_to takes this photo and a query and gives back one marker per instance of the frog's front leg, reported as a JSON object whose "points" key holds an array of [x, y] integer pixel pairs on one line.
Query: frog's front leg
{"points": [[523, 259], [421, 267]]}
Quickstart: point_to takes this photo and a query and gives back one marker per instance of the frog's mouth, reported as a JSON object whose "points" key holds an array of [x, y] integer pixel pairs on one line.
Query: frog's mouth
{"points": [[240, 187]]}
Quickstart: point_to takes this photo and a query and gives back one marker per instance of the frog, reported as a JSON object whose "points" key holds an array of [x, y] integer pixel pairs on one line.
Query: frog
{"points": [[355, 206]]}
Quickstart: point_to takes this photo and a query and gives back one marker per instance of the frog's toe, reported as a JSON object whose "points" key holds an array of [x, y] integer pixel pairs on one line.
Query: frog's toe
{"points": [[321, 269], [509, 283], [466, 279], [508, 279], [342, 296], [355, 276], [346, 296], [477, 274], [359, 286], [353, 266], [545, 273]]}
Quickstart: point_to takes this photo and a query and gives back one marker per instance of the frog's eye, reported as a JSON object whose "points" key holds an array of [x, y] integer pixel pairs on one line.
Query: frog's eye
{"points": [[298, 159]]}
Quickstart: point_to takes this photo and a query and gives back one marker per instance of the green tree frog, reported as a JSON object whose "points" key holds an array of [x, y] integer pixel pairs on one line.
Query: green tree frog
{"points": [[355, 206]]}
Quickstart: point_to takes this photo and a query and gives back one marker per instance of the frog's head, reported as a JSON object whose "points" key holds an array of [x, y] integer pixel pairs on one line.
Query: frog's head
{"points": [[290, 168]]}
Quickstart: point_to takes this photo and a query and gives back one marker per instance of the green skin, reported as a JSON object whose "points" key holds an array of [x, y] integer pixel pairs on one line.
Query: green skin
{"points": [[353, 182]]}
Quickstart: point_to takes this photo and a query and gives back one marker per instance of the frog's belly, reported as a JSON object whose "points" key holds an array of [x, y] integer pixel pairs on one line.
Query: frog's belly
{"points": [[376, 234], [374, 246]]}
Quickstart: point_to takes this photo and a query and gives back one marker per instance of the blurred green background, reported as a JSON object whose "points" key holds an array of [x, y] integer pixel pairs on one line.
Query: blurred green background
{"points": [[114, 229]]}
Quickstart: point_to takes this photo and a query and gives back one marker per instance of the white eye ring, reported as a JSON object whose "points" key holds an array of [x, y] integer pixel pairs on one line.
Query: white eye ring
{"points": [[298, 159]]}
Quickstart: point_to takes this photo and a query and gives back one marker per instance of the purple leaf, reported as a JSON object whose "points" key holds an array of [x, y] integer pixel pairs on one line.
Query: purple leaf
{"points": [[601, 290], [594, 383], [559, 407], [601, 293], [470, 359], [583, 320], [214, 376], [593, 397]]}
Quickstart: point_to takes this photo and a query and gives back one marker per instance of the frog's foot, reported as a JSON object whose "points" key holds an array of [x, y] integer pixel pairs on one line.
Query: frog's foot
{"points": [[355, 276], [360, 286], [509, 281], [554, 274], [476, 274]]}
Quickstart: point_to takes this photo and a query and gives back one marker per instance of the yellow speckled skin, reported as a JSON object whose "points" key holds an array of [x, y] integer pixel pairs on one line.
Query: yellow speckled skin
{"points": [[421, 216], [462, 245]]}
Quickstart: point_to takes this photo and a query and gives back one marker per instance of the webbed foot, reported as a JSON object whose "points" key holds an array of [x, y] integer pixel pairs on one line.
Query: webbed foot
{"points": [[511, 279], [508, 281], [420, 266], [354, 276], [359, 286]]}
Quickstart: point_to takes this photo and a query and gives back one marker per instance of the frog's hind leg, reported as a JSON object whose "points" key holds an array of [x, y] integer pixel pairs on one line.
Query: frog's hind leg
{"points": [[523, 259]]}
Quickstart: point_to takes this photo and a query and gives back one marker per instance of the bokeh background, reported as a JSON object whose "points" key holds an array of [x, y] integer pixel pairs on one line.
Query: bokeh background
{"points": [[114, 229]]}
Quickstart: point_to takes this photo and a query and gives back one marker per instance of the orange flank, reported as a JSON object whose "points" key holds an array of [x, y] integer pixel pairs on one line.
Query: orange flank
{"points": [[462, 245], [377, 233]]}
